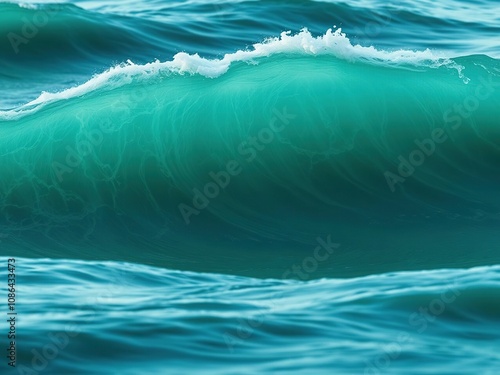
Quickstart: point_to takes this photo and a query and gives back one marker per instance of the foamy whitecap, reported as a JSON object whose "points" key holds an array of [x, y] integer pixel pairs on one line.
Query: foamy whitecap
{"points": [[333, 42]]}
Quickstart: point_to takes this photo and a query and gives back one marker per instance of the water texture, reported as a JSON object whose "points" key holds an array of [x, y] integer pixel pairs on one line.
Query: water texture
{"points": [[249, 187]]}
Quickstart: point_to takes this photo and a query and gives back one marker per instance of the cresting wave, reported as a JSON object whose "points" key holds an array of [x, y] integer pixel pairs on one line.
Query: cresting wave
{"points": [[307, 204], [299, 142], [332, 43], [54, 46]]}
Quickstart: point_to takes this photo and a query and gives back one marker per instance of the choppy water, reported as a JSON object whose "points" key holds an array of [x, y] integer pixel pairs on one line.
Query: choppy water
{"points": [[116, 318], [252, 186]]}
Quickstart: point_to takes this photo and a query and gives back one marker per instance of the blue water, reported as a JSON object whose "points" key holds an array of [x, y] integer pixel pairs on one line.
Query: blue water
{"points": [[359, 235], [132, 319]]}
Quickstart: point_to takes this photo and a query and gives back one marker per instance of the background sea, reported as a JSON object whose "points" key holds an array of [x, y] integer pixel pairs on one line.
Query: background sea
{"points": [[251, 187]]}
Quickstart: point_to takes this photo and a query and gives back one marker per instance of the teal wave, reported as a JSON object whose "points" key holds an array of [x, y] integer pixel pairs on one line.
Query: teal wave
{"points": [[52, 46], [307, 146], [315, 203], [445, 320]]}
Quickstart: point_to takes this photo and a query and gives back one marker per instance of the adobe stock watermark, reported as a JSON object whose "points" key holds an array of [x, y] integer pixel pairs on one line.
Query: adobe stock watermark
{"points": [[419, 321], [84, 147], [248, 149], [219, 10], [31, 27], [373, 28], [120, 112], [59, 341], [453, 120], [303, 271]]}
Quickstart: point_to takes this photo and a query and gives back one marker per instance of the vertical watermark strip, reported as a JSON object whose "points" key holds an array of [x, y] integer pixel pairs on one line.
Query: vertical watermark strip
{"points": [[11, 312]]}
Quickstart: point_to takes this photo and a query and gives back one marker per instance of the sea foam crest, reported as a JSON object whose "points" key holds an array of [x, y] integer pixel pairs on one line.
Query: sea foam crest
{"points": [[333, 42]]}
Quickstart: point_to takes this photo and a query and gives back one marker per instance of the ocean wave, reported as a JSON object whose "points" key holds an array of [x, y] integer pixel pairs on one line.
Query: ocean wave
{"points": [[175, 197], [50, 47], [383, 322], [188, 165], [332, 43]]}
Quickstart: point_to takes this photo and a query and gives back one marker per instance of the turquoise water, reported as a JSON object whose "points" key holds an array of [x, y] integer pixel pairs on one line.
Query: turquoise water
{"points": [[117, 318], [252, 186]]}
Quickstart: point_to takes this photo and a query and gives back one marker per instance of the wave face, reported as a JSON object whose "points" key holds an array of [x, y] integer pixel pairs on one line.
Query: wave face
{"points": [[194, 158], [372, 325]]}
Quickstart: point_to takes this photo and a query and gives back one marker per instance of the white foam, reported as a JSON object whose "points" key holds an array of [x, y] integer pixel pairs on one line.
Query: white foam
{"points": [[27, 5], [334, 43]]}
